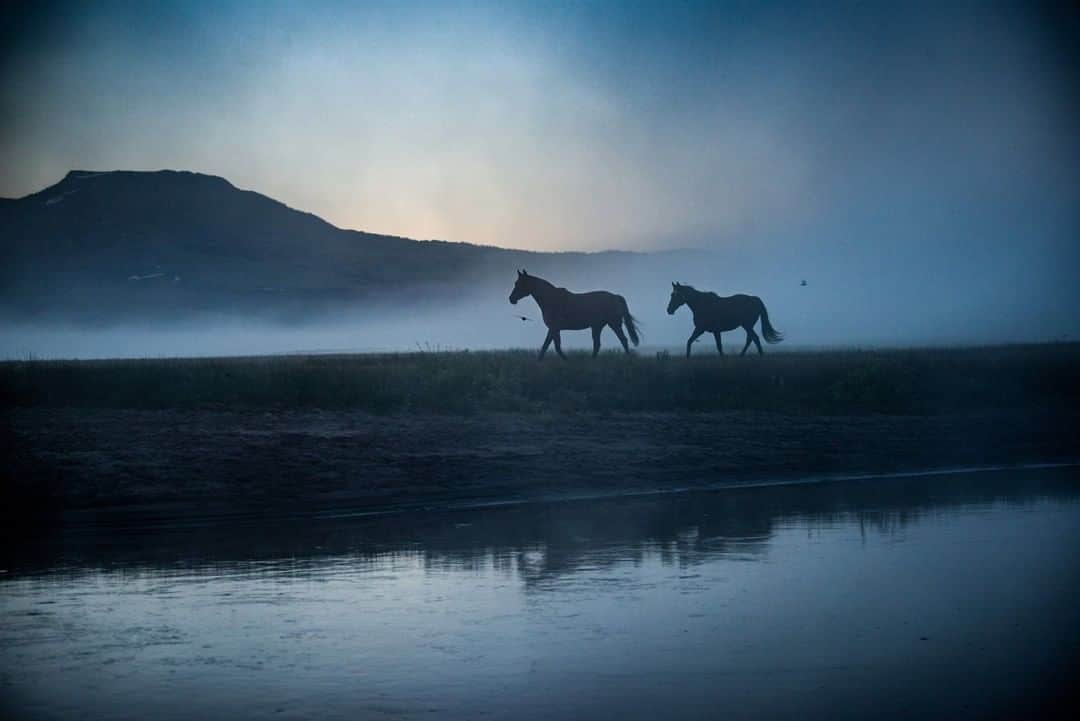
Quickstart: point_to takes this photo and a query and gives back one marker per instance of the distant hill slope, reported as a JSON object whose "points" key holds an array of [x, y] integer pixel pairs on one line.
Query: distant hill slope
{"points": [[104, 244]]}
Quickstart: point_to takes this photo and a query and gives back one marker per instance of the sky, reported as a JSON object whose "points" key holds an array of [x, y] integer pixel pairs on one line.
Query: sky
{"points": [[928, 153], [561, 126]]}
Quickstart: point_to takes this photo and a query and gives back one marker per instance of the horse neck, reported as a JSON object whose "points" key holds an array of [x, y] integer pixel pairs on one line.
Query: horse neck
{"points": [[694, 299], [542, 291]]}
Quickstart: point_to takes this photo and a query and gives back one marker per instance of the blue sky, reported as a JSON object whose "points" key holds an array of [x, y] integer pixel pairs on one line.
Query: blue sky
{"points": [[859, 131]]}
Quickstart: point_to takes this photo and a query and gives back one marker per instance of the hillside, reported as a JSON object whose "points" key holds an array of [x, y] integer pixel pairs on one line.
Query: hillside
{"points": [[116, 244]]}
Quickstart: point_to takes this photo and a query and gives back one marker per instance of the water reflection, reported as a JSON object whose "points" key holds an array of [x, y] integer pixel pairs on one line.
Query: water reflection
{"points": [[936, 596], [536, 541]]}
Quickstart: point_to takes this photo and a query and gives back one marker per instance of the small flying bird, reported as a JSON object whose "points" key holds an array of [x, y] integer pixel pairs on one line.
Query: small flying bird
{"points": [[803, 284], [522, 317]]}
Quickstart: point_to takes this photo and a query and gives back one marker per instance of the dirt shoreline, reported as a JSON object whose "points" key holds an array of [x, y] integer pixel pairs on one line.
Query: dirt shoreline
{"points": [[180, 461]]}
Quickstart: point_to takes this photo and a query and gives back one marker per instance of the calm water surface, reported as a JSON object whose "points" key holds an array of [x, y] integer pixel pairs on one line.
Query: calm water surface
{"points": [[903, 598]]}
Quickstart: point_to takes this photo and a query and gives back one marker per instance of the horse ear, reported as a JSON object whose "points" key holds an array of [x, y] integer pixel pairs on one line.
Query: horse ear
{"points": [[524, 272], [519, 272], [674, 284]]}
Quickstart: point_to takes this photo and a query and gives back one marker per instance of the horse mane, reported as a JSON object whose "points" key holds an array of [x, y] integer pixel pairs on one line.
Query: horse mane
{"points": [[543, 281], [551, 286], [694, 291]]}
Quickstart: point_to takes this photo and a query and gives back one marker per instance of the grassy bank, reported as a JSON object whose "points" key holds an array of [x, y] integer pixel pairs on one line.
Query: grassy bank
{"points": [[919, 381]]}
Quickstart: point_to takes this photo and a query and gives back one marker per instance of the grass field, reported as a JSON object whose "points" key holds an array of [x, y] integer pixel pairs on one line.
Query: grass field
{"points": [[915, 381]]}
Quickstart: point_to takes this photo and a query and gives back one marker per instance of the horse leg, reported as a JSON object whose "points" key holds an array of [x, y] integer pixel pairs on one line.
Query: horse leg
{"points": [[596, 339], [719, 343], [547, 342], [558, 343], [748, 337], [693, 337], [617, 327], [757, 341]]}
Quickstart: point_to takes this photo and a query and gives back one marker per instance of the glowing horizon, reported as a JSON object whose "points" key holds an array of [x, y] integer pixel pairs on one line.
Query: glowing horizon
{"points": [[567, 128]]}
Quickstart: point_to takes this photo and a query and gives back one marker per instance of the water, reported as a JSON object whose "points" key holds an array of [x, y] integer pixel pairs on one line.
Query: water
{"points": [[902, 598]]}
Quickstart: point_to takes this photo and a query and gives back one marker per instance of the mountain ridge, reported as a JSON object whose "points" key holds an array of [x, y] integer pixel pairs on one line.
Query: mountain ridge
{"points": [[78, 175], [182, 241]]}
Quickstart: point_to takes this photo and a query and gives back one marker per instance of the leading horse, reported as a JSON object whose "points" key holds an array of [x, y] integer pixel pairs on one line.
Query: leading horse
{"points": [[713, 314], [563, 310]]}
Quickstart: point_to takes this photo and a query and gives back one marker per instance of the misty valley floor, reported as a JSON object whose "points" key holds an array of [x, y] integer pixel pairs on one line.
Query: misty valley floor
{"points": [[227, 460]]}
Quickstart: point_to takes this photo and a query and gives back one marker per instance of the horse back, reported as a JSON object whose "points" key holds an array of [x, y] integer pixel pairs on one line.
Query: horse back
{"points": [[727, 312], [598, 296], [576, 311]]}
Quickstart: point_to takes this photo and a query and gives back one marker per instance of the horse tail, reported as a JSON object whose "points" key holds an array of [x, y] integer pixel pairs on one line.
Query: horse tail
{"points": [[771, 334], [631, 323]]}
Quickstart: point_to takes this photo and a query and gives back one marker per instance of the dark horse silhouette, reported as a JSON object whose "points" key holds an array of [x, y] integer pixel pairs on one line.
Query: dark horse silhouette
{"points": [[564, 310], [713, 314]]}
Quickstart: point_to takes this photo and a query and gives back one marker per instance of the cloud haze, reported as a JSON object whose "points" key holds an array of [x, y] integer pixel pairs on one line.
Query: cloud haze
{"points": [[920, 157]]}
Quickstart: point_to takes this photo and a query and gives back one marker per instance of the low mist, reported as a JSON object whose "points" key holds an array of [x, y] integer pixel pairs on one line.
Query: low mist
{"points": [[839, 306]]}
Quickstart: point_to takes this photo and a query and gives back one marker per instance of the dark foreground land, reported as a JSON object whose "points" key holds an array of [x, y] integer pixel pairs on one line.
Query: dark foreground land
{"points": [[377, 431]]}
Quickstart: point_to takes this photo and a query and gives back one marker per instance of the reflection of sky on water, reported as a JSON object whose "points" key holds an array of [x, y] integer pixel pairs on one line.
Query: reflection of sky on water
{"points": [[818, 600], [531, 539]]}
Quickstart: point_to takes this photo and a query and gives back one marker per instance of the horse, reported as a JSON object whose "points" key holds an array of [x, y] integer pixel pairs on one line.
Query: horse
{"points": [[563, 310], [713, 314]]}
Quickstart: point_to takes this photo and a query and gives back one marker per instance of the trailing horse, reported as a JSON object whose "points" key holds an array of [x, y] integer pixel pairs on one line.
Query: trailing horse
{"points": [[563, 310], [713, 314]]}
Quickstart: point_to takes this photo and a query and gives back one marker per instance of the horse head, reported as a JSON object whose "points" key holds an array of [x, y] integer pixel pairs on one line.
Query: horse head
{"points": [[678, 297], [522, 288]]}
